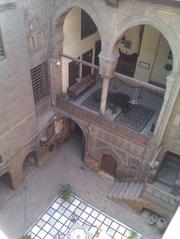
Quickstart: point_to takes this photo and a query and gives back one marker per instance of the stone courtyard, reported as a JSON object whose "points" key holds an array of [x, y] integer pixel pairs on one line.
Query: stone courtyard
{"points": [[32, 199]]}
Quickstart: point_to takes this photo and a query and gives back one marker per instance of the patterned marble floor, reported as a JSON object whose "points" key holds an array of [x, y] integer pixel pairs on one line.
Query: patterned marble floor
{"points": [[60, 217]]}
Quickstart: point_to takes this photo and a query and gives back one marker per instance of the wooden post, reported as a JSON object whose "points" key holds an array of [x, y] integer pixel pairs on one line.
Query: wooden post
{"points": [[104, 95]]}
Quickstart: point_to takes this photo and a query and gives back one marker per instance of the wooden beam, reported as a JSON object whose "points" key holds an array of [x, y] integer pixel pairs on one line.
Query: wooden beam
{"points": [[138, 83], [80, 61], [122, 77]]}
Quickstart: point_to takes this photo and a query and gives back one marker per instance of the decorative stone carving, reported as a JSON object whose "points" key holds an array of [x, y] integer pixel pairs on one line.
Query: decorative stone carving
{"points": [[41, 39], [34, 24], [30, 42], [36, 39]]}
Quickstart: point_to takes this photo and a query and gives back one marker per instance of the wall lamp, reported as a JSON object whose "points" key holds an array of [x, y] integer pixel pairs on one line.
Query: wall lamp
{"points": [[56, 61]]}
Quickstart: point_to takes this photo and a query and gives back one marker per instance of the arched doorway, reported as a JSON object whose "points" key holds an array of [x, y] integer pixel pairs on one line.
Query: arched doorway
{"points": [[67, 130], [108, 164], [5, 187], [30, 163]]}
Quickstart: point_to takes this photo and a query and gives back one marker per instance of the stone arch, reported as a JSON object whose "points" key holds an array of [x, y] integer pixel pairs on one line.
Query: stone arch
{"points": [[155, 22], [110, 151], [79, 124], [59, 141], [30, 162], [6, 179], [60, 74], [66, 7]]}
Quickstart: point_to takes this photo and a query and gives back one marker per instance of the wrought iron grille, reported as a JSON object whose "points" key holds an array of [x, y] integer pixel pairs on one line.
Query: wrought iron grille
{"points": [[40, 82]]}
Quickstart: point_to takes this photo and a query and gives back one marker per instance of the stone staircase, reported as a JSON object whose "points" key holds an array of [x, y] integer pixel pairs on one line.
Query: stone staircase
{"points": [[125, 191], [137, 196]]}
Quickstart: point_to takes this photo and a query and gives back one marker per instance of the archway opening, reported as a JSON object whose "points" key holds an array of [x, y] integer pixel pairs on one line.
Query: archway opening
{"points": [[80, 48], [6, 186], [136, 93], [30, 162], [145, 54], [68, 131], [81, 41]]}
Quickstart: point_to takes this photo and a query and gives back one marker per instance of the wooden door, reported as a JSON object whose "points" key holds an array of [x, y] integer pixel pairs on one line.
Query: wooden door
{"points": [[108, 164], [73, 72], [87, 56]]}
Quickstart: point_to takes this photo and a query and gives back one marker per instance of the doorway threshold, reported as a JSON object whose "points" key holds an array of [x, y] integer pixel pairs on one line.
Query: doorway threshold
{"points": [[108, 176]]}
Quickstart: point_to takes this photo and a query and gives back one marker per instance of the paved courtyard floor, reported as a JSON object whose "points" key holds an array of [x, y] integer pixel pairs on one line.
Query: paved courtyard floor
{"points": [[62, 217], [33, 198]]}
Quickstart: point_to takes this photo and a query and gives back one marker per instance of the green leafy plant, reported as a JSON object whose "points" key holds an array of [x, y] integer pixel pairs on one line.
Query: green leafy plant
{"points": [[27, 237], [134, 235], [65, 191]]}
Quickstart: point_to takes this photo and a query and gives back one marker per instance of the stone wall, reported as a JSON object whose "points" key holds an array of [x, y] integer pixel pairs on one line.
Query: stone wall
{"points": [[131, 155], [172, 136], [24, 27], [18, 117], [30, 36]]}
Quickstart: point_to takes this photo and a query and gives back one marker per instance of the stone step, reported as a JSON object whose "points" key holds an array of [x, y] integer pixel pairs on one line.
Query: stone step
{"points": [[128, 194], [133, 193], [119, 189], [139, 190], [125, 191], [113, 190]]}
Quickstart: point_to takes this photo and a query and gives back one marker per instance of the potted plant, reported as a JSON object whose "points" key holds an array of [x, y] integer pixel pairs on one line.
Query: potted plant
{"points": [[27, 237], [134, 235], [65, 191]]}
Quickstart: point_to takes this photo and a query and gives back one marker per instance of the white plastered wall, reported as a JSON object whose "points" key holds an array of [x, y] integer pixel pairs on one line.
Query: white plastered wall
{"points": [[132, 35], [159, 73]]}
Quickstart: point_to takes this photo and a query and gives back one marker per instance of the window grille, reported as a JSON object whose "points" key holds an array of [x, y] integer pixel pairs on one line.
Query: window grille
{"points": [[2, 53], [40, 82]]}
